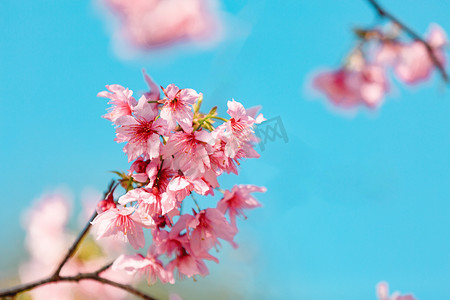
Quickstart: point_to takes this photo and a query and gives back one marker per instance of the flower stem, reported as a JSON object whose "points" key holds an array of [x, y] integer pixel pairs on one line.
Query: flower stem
{"points": [[219, 118]]}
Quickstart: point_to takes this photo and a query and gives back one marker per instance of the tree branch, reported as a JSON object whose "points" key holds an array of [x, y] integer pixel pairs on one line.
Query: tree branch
{"points": [[83, 233], [75, 245], [11, 292], [385, 14], [56, 276]]}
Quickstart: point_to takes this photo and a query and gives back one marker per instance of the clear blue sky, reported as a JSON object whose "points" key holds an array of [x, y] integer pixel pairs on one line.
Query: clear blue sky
{"points": [[352, 200]]}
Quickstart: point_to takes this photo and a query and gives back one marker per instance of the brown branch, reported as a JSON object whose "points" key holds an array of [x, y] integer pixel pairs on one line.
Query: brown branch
{"points": [[75, 245], [83, 233], [385, 14], [56, 277], [11, 292]]}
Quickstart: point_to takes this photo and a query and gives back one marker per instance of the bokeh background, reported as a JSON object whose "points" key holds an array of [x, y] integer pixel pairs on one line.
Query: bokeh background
{"points": [[353, 198]]}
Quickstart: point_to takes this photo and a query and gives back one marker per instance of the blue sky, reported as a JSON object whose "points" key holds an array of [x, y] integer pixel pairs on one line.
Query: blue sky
{"points": [[352, 199]]}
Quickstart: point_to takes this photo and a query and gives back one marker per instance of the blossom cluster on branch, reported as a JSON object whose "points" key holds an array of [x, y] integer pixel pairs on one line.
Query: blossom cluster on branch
{"points": [[176, 151], [363, 77]]}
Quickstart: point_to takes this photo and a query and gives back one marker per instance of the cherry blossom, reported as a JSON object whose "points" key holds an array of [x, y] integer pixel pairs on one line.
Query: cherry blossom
{"points": [[207, 227], [141, 131], [363, 77], [149, 265], [187, 265], [191, 152], [411, 62], [121, 224], [349, 88], [150, 24], [181, 186], [239, 198], [238, 132], [121, 99], [383, 293], [138, 169], [177, 107]]}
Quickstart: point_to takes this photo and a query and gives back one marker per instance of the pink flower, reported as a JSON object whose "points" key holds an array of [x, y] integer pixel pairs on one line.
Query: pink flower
{"points": [[142, 131], [340, 86], [153, 93], [210, 177], [238, 132], [412, 62], [174, 296], [160, 173], [348, 88], [187, 265], [238, 199], [106, 204], [150, 202], [220, 162], [207, 227], [45, 225], [121, 99], [191, 152], [138, 169], [156, 23], [121, 224], [181, 186], [383, 293], [171, 243], [149, 265], [374, 85], [175, 243], [178, 107]]}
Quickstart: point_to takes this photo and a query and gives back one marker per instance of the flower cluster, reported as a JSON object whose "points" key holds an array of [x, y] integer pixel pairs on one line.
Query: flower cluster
{"points": [[175, 151], [363, 80], [155, 23]]}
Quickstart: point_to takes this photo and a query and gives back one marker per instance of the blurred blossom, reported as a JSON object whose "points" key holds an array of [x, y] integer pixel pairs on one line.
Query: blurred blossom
{"points": [[349, 88], [149, 24], [411, 61], [174, 296], [383, 293], [48, 240], [362, 79]]}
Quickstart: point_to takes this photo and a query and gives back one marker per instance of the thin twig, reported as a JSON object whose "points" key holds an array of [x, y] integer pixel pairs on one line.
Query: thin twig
{"points": [[104, 268], [79, 277], [56, 277], [196, 203], [124, 287], [385, 14], [75, 245], [82, 235]]}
